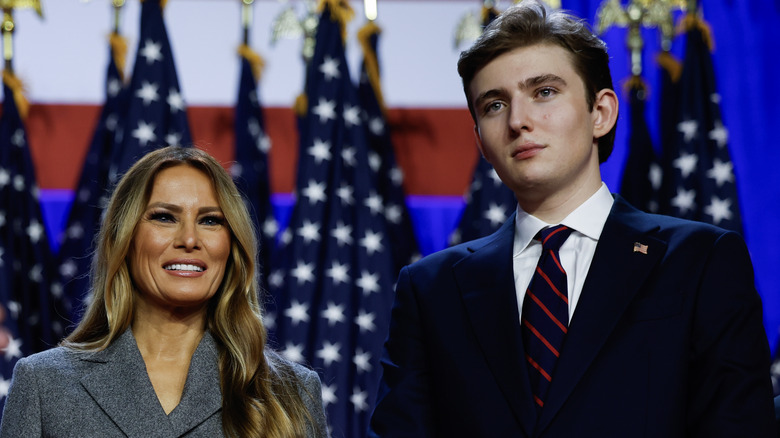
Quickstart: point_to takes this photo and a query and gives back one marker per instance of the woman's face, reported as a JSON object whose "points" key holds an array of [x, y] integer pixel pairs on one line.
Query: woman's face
{"points": [[181, 245]]}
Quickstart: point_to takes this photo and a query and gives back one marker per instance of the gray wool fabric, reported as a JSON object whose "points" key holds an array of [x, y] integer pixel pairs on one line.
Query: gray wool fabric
{"points": [[66, 393]]}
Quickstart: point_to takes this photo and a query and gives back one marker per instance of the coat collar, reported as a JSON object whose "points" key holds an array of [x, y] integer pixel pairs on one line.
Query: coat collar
{"points": [[120, 385]]}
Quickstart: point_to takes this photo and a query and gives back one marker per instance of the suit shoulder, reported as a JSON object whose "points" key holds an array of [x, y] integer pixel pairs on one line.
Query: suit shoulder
{"points": [[452, 254]]}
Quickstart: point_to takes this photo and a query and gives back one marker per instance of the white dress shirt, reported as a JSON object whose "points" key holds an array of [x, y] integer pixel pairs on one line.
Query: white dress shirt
{"points": [[576, 253]]}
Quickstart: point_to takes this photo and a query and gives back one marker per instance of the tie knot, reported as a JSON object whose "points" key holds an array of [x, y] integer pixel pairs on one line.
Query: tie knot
{"points": [[552, 238]]}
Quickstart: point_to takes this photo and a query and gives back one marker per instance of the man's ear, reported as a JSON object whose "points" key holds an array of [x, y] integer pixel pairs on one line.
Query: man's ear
{"points": [[478, 139], [605, 112]]}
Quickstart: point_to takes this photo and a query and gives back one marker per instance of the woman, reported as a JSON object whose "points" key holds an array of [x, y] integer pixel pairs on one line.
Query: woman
{"points": [[172, 342]]}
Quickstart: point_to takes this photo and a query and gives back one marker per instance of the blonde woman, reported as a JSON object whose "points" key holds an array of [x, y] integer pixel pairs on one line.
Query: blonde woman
{"points": [[172, 343]]}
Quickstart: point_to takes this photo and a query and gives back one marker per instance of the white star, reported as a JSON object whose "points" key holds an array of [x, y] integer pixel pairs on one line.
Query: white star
{"points": [[276, 278], [304, 272], [393, 213], [253, 126], [494, 177], [293, 352], [362, 360], [270, 227], [17, 139], [372, 242], [269, 320], [173, 138], [236, 170], [345, 193], [297, 312], [719, 134], [352, 116], [329, 353], [315, 192], [329, 394], [309, 231], [348, 155], [686, 163], [377, 126], [719, 209], [14, 307], [342, 233], [330, 68], [152, 52], [365, 321], [656, 176], [19, 184], [334, 313], [36, 273], [148, 93], [264, 143], [35, 231], [721, 172], [4, 385], [338, 272], [688, 129], [144, 132], [374, 161], [325, 109], [320, 151], [374, 203], [175, 101], [684, 200], [14, 349], [359, 399], [368, 282], [5, 177], [397, 176], [2, 252], [496, 214], [715, 98], [113, 87], [56, 290]]}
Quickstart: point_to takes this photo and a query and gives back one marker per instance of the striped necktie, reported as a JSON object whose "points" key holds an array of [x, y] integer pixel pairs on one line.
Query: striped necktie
{"points": [[545, 317]]}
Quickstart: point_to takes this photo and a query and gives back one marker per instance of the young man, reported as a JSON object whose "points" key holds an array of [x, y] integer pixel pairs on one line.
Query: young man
{"points": [[619, 324]]}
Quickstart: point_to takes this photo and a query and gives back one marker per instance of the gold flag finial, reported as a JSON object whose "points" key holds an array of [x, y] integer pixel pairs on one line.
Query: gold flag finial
{"points": [[635, 15], [8, 25]]}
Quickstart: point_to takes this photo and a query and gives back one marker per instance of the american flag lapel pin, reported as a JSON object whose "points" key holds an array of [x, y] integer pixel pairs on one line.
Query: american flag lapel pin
{"points": [[638, 247]]}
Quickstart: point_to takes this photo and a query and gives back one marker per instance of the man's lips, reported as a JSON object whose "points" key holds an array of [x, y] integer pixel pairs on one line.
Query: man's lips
{"points": [[526, 150]]}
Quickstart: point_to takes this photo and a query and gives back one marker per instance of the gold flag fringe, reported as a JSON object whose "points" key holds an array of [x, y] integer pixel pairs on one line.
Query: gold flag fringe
{"points": [[119, 51], [340, 12], [370, 60], [255, 60], [301, 105], [636, 83], [486, 11], [162, 3], [692, 21], [17, 89], [672, 65]]}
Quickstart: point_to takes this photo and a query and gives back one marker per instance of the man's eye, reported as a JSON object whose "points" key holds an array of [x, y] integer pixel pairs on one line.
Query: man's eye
{"points": [[546, 92], [493, 106]]}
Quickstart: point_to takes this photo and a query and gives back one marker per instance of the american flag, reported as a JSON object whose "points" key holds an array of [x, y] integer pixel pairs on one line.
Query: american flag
{"points": [[489, 203], [250, 169], [335, 292], [381, 154], [699, 181], [775, 371], [642, 172], [91, 194], [32, 307], [155, 115]]}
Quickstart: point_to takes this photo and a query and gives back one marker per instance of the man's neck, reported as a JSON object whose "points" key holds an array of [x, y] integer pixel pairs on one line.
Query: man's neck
{"points": [[553, 208]]}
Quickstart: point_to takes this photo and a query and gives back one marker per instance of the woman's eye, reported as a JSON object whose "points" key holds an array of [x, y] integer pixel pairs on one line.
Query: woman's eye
{"points": [[161, 217], [212, 220]]}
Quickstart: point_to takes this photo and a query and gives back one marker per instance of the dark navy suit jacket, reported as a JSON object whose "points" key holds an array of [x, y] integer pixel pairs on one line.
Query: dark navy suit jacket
{"points": [[667, 343]]}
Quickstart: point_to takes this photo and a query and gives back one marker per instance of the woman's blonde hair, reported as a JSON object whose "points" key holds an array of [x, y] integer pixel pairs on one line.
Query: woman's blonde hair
{"points": [[260, 395]]}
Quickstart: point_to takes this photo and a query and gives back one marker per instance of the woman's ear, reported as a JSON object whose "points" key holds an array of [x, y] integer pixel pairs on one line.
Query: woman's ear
{"points": [[605, 112]]}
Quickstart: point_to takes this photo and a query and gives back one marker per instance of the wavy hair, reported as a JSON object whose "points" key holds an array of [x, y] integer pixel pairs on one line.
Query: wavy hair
{"points": [[260, 395]]}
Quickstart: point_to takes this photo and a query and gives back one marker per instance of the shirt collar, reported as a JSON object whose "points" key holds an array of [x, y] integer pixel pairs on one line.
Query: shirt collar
{"points": [[588, 219]]}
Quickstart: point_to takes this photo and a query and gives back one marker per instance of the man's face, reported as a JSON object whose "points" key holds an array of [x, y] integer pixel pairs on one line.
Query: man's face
{"points": [[534, 125]]}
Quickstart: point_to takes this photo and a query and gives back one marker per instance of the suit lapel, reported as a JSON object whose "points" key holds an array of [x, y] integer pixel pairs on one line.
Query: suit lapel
{"points": [[616, 274], [486, 284], [120, 385]]}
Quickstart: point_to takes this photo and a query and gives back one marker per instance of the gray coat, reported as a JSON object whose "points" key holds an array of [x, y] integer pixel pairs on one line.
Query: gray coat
{"points": [[67, 393]]}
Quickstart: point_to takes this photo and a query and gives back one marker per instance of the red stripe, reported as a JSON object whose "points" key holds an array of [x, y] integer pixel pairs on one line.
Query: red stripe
{"points": [[547, 311], [555, 259], [538, 401], [538, 368], [541, 338], [555, 289], [553, 233]]}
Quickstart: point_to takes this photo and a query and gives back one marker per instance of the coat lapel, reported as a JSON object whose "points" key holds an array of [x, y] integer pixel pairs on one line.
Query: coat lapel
{"points": [[616, 274], [120, 385], [486, 283]]}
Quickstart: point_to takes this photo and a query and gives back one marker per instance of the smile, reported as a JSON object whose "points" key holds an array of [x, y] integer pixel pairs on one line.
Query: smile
{"points": [[183, 267]]}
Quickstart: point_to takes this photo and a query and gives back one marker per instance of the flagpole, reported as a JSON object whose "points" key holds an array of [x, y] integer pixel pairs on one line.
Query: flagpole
{"points": [[117, 7], [370, 8], [246, 18], [8, 26]]}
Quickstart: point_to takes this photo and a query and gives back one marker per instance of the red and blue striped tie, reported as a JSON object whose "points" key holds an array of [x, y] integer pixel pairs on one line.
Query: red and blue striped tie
{"points": [[545, 317]]}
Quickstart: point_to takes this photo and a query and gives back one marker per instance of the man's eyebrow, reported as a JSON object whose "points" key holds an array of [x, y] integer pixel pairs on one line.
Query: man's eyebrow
{"points": [[489, 94], [542, 79]]}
